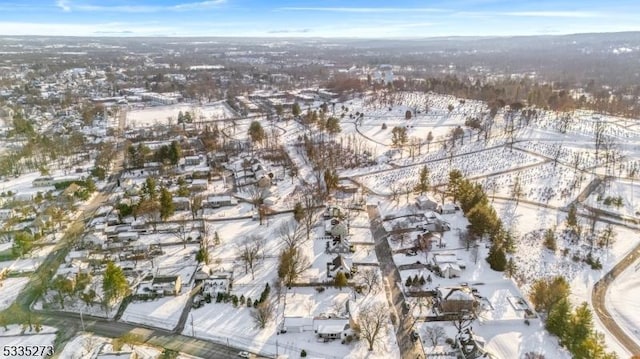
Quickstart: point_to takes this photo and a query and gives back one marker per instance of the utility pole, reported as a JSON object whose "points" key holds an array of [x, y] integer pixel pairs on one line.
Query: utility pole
{"points": [[193, 334], [81, 321]]}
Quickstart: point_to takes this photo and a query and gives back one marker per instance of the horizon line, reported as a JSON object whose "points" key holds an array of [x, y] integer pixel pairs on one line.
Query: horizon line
{"points": [[130, 35]]}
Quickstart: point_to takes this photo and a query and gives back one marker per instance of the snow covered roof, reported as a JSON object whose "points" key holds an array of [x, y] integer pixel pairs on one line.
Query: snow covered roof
{"points": [[297, 321], [455, 293], [444, 258]]}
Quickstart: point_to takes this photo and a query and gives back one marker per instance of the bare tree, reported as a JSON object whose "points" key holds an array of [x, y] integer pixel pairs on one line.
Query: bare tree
{"points": [[263, 313], [290, 233], [249, 253], [338, 307], [370, 279], [462, 318], [435, 334], [256, 195], [182, 233], [309, 197], [372, 320]]}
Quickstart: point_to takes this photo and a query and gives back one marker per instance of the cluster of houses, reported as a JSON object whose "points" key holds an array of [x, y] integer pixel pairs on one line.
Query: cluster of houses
{"points": [[338, 243]]}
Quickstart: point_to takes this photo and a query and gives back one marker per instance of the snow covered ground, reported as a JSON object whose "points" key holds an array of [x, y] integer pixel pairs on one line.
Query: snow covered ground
{"points": [[162, 312], [225, 324], [14, 336], [9, 290], [86, 345], [169, 114]]}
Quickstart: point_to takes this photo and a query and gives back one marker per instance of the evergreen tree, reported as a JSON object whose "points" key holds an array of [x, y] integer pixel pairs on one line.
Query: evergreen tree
{"points": [[580, 328], [166, 204], [497, 258], [558, 319], [175, 152], [423, 181], [340, 280], [114, 284]]}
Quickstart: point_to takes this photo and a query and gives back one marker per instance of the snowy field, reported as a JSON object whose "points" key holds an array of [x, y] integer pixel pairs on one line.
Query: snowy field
{"points": [[474, 165], [169, 114], [162, 312]]}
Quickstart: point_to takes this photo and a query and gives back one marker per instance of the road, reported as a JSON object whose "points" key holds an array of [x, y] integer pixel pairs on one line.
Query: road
{"points": [[391, 277], [598, 300], [152, 336]]}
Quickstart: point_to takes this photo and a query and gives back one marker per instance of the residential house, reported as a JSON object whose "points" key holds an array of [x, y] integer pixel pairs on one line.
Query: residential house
{"points": [[340, 230], [167, 285], [339, 246], [447, 208], [220, 201], [331, 328], [213, 282], [128, 236], [333, 212], [181, 203], [297, 324], [192, 160], [340, 264], [456, 299], [199, 185], [50, 181], [447, 264], [425, 203]]}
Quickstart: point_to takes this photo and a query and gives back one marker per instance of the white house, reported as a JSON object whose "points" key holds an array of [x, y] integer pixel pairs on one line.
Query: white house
{"points": [[425, 203], [297, 324], [449, 265], [331, 328]]}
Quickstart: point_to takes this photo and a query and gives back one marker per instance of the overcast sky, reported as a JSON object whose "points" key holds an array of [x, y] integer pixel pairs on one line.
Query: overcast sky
{"points": [[327, 18]]}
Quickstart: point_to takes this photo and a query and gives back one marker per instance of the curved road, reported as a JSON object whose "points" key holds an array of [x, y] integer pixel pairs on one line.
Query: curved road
{"points": [[598, 298]]}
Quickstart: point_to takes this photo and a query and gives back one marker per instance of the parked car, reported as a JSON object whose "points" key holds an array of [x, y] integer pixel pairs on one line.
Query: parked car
{"points": [[243, 354]]}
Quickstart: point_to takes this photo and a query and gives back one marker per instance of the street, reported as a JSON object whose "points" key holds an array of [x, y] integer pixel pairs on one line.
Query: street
{"points": [[156, 337], [391, 277]]}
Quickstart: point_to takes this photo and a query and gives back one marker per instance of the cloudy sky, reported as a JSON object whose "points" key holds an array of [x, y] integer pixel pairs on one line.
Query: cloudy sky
{"points": [[326, 18]]}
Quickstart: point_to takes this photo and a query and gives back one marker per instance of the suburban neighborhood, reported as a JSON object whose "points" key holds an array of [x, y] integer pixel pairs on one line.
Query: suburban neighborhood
{"points": [[252, 207]]}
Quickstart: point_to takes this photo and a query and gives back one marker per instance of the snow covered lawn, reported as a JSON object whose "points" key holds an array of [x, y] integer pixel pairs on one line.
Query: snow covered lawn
{"points": [[9, 290], [162, 313]]}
